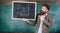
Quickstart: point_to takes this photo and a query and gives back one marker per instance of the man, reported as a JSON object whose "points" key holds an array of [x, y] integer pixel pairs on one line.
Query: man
{"points": [[43, 20]]}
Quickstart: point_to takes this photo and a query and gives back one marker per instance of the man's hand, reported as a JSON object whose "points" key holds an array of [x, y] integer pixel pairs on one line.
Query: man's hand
{"points": [[41, 17], [24, 19]]}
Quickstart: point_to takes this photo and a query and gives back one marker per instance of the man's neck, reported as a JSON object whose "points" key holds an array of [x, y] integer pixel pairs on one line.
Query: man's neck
{"points": [[45, 13]]}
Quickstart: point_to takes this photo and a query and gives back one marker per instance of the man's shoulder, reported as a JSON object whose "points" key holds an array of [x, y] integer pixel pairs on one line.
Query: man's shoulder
{"points": [[37, 15], [49, 15]]}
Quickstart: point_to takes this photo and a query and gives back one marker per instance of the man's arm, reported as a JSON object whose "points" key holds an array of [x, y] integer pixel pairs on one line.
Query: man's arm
{"points": [[33, 22]]}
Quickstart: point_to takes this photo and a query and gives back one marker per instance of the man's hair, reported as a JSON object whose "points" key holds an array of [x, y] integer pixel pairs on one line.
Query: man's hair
{"points": [[46, 5]]}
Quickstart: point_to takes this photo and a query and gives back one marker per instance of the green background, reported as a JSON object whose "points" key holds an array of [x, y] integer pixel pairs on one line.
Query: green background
{"points": [[7, 24]]}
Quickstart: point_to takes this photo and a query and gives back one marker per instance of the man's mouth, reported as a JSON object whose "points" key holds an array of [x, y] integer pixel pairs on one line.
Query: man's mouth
{"points": [[42, 13]]}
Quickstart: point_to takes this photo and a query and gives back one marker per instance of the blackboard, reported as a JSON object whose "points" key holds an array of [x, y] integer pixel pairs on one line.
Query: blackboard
{"points": [[23, 10]]}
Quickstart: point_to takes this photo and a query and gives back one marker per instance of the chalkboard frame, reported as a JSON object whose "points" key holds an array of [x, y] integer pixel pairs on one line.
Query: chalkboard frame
{"points": [[23, 2]]}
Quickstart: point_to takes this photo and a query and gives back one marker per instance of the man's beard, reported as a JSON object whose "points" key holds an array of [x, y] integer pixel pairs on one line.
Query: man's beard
{"points": [[42, 13]]}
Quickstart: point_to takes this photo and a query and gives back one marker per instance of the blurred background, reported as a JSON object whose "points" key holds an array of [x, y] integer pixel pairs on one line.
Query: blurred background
{"points": [[9, 25]]}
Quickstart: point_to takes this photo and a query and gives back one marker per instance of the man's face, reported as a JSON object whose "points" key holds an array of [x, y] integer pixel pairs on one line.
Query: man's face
{"points": [[44, 9]]}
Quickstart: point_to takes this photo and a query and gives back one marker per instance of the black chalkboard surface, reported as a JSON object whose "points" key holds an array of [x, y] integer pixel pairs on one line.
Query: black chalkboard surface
{"points": [[22, 9]]}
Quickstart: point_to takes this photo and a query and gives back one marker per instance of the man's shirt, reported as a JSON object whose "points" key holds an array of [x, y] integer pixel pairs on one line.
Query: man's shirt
{"points": [[41, 23]]}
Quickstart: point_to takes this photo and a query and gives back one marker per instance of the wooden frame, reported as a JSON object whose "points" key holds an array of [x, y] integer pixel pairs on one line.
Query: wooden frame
{"points": [[23, 2]]}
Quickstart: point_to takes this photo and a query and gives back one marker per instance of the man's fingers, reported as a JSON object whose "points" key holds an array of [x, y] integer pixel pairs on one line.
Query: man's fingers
{"points": [[24, 19]]}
